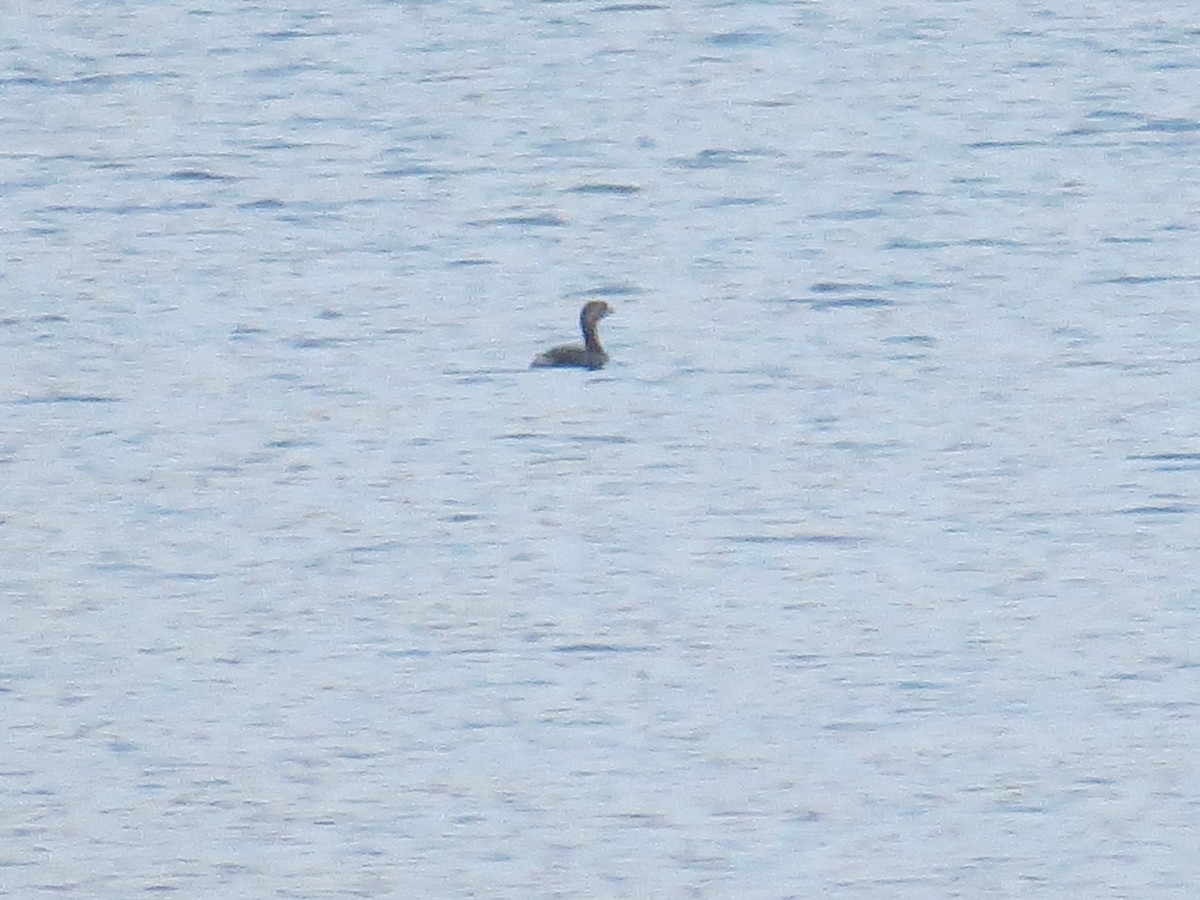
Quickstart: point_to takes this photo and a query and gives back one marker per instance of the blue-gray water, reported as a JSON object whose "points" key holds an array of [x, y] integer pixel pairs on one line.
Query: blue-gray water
{"points": [[866, 570]]}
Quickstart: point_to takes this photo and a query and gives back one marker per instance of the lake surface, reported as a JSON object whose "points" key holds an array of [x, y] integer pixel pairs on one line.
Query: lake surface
{"points": [[866, 569]]}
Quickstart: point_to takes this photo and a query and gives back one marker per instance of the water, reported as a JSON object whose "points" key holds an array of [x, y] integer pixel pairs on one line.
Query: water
{"points": [[866, 569]]}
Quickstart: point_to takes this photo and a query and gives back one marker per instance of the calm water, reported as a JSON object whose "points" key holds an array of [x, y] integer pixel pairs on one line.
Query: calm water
{"points": [[866, 570]]}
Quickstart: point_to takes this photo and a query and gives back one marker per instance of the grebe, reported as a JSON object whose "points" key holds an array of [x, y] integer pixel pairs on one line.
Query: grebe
{"points": [[589, 355]]}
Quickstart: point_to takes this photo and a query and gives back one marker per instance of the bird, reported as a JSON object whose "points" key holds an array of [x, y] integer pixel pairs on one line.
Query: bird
{"points": [[589, 354]]}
